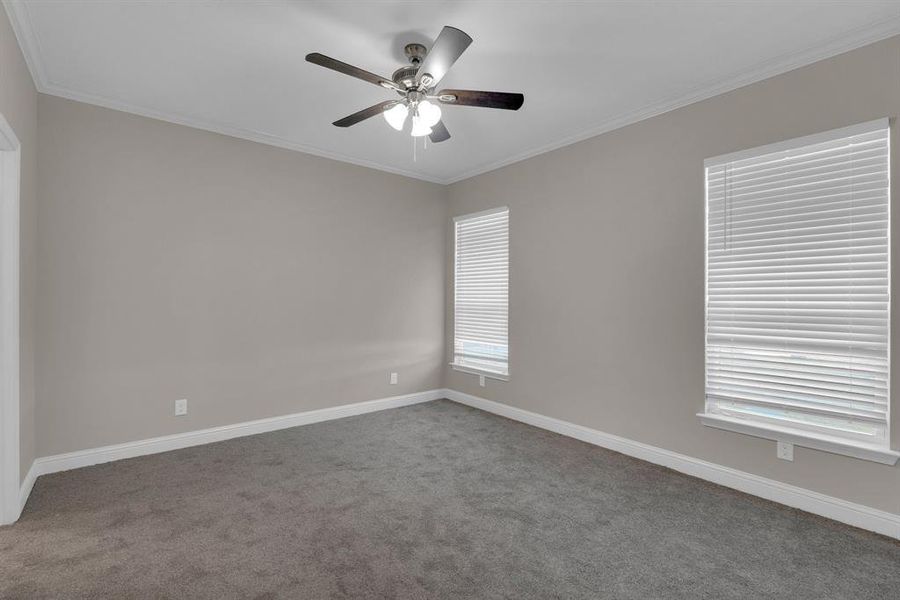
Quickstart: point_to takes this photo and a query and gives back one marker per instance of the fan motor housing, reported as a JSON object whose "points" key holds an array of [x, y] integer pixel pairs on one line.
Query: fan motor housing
{"points": [[405, 76]]}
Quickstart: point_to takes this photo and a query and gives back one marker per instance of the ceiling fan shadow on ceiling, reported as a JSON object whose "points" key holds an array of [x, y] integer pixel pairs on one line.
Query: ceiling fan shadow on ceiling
{"points": [[416, 86]]}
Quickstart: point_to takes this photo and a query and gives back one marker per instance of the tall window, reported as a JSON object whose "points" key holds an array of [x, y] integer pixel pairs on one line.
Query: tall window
{"points": [[798, 288], [481, 292]]}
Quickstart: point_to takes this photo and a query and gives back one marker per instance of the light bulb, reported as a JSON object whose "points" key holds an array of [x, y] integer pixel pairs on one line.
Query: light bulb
{"points": [[429, 113], [396, 116], [419, 127]]}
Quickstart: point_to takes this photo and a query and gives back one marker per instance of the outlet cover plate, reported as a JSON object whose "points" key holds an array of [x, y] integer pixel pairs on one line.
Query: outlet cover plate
{"points": [[786, 451]]}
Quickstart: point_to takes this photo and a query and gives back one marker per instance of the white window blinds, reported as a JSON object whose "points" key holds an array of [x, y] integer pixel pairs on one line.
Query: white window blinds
{"points": [[797, 285], [481, 292]]}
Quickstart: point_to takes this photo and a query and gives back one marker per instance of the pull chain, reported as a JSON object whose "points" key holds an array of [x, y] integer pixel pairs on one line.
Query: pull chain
{"points": [[416, 145]]}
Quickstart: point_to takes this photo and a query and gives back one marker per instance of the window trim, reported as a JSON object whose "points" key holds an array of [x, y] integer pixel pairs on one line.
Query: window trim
{"points": [[806, 439], [497, 375], [883, 454], [806, 140], [475, 215], [482, 372]]}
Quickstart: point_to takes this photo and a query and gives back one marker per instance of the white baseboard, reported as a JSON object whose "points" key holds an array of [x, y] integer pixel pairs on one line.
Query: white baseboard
{"points": [[850, 513], [94, 456], [25, 489]]}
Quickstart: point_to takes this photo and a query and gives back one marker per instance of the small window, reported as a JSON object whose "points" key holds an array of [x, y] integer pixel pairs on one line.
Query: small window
{"points": [[798, 289], [481, 293]]}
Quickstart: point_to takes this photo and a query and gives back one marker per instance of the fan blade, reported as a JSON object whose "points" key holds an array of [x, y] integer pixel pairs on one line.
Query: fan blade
{"points": [[365, 114], [439, 133], [504, 100], [342, 67], [447, 48]]}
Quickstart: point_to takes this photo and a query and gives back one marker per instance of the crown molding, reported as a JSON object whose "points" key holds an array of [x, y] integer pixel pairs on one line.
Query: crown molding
{"points": [[28, 41], [17, 12], [229, 130], [857, 39]]}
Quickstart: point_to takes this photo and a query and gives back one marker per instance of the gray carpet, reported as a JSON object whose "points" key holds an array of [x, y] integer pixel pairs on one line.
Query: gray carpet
{"points": [[432, 501]]}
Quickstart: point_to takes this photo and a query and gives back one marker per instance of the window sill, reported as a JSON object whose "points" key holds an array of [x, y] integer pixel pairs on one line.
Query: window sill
{"points": [[804, 439], [474, 371]]}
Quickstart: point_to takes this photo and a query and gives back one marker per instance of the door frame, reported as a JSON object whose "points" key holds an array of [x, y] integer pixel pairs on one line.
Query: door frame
{"points": [[10, 163]]}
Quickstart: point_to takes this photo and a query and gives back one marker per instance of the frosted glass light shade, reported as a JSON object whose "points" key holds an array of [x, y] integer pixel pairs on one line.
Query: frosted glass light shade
{"points": [[419, 127], [396, 116], [429, 113]]}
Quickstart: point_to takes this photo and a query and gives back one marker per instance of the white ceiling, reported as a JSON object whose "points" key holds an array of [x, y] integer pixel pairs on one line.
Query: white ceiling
{"points": [[585, 67]]}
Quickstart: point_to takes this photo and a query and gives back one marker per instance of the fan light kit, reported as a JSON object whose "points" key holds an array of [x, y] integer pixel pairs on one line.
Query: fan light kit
{"points": [[416, 83]]}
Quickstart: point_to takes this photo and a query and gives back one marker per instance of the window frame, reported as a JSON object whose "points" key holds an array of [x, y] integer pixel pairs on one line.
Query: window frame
{"points": [[464, 368], [798, 436]]}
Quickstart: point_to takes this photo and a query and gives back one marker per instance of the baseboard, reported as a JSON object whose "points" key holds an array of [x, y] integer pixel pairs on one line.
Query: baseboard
{"points": [[25, 488], [94, 456], [850, 513]]}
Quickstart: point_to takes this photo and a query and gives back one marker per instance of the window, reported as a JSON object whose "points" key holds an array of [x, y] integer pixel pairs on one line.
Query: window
{"points": [[481, 293], [798, 291]]}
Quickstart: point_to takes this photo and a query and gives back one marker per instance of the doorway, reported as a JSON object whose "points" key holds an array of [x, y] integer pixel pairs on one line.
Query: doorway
{"points": [[10, 160]]}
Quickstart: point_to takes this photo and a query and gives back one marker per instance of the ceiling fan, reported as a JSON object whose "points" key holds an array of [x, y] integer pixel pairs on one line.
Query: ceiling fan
{"points": [[416, 84]]}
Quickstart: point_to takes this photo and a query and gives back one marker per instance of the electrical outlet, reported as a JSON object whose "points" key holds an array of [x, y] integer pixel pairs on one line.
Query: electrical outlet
{"points": [[481, 380], [786, 451], [180, 407], [393, 379]]}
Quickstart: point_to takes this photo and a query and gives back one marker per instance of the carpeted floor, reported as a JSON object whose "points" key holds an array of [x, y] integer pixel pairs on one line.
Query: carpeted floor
{"points": [[436, 500]]}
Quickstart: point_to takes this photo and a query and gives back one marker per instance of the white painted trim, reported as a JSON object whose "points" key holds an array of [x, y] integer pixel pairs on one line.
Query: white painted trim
{"points": [[479, 372], [230, 130], [10, 158], [104, 454], [827, 506], [21, 23], [481, 213], [28, 42], [860, 450], [27, 485], [857, 39], [850, 513], [800, 142]]}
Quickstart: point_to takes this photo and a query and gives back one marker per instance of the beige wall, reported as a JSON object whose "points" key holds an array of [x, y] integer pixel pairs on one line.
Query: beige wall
{"points": [[606, 273], [253, 281], [18, 105]]}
